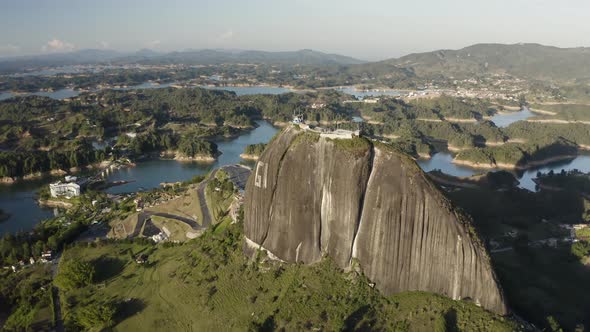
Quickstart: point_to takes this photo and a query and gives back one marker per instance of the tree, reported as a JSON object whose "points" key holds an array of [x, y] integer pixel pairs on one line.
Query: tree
{"points": [[96, 316], [21, 318], [75, 274], [553, 324]]}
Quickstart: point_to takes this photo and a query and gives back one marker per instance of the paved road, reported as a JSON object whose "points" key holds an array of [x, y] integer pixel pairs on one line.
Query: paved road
{"points": [[238, 175], [203, 201], [146, 215]]}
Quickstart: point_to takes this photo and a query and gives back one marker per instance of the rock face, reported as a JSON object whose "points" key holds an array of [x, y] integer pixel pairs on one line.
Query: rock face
{"points": [[362, 202]]}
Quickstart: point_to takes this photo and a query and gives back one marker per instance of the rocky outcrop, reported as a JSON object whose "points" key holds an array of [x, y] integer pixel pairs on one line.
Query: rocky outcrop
{"points": [[363, 202]]}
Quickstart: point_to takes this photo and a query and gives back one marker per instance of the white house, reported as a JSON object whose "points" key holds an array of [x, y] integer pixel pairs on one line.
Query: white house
{"points": [[68, 190]]}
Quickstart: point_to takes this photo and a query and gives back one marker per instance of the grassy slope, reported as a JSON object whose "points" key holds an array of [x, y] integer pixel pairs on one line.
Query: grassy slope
{"points": [[208, 284], [32, 283], [186, 206], [568, 112]]}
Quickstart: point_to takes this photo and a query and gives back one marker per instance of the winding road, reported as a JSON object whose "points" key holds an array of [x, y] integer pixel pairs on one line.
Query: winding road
{"points": [[203, 201]]}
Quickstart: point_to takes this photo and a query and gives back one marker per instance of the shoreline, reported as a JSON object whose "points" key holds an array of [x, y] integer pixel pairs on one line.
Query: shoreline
{"points": [[558, 121], [51, 203], [101, 166], [175, 155], [249, 156], [508, 166]]}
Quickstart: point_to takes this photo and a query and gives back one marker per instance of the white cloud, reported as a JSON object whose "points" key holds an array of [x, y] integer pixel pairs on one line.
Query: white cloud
{"points": [[104, 44], [154, 43], [9, 49], [229, 34], [56, 45]]}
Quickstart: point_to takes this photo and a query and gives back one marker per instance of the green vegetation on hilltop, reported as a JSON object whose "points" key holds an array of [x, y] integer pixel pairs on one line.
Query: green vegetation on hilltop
{"points": [[357, 146], [547, 132], [518, 155], [209, 284], [254, 149], [454, 108], [192, 146]]}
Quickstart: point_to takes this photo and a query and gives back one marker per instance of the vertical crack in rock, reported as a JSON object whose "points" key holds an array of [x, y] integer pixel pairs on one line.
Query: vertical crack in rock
{"points": [[362, 204], [457, 268], [274, 189]]}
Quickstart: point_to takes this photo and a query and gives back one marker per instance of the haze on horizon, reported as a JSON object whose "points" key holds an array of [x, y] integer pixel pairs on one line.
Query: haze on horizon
{"points": [[369, 30]]}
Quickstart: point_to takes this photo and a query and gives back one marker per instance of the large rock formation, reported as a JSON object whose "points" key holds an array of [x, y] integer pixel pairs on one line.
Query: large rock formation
{"points": [[362, 202]]}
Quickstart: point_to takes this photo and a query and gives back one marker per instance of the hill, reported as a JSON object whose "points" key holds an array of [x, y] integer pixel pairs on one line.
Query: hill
{"points": [[86, 56], [188, 57], [214, 57], [532, 61], [207, 284]]}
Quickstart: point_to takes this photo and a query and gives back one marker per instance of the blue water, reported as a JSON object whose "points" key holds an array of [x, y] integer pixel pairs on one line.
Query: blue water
{"points": [[443, 161], [251, 90], [18, 199], [239, 90], [504, 120], [149, 174], [58, 94]]}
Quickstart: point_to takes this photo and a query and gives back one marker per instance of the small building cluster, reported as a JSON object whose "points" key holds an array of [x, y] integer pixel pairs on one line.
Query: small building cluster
{"points": [[326, 133], [68, 189], [160, 237]]}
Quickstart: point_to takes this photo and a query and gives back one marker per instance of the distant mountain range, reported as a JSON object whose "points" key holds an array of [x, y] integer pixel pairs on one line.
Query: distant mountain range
{"points": [[146, 56], [522, 60], [211, 57], [532, 61]]}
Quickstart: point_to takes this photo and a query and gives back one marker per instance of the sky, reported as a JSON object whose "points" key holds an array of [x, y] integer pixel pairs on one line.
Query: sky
{"points": [[367, 29]]}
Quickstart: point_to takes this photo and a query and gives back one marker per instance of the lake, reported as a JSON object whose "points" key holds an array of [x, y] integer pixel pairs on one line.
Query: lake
{"points": [[69, 93], [57, 94], [149, 174], [18, 199], [504, 120], [443, 161], [250, 90]]}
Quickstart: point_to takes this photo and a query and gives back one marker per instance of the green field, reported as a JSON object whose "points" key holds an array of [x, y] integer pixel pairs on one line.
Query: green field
{"points": [[208, 284]]}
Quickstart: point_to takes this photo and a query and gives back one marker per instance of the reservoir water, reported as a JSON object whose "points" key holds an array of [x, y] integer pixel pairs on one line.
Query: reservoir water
{"points": [[504, 120], [250, 90], [149, 174], [69, 93], [57, 94], [18, 199], [443, 162]]}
